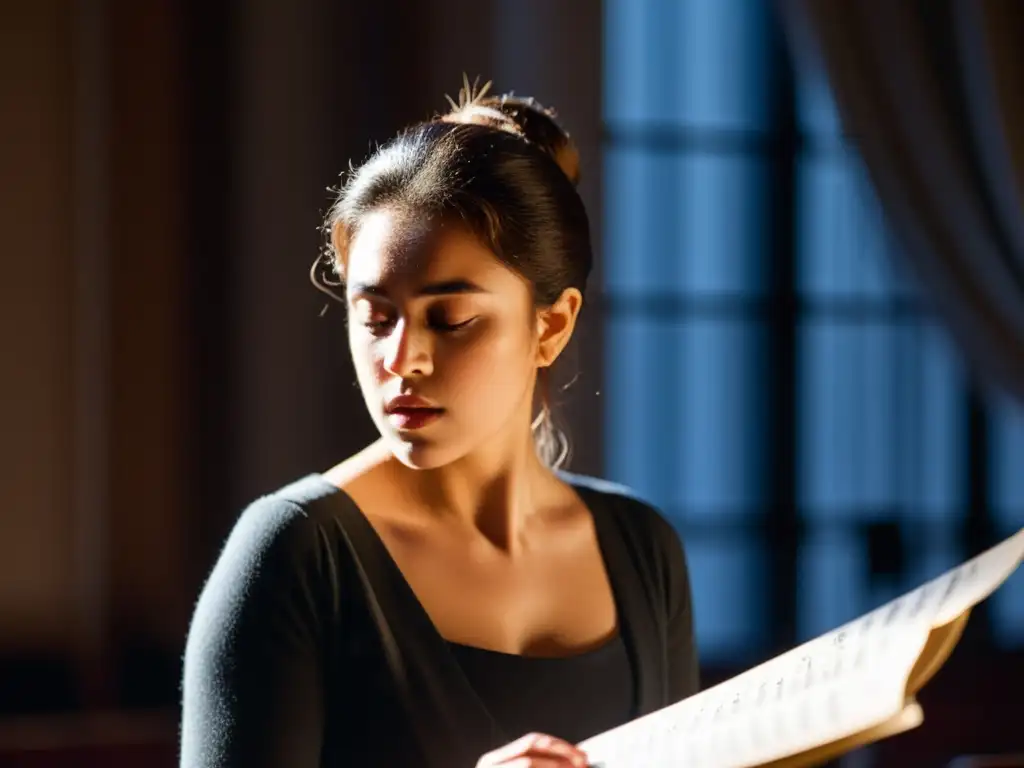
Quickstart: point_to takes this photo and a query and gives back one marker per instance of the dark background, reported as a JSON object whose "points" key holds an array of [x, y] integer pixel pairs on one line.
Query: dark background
{"points": [[753, 359]]}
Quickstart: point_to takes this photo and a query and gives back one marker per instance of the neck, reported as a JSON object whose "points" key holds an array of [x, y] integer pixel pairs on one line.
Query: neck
{"points": [[494, 490]]}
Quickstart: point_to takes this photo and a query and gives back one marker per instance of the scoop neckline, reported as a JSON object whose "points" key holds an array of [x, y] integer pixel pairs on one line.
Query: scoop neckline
{"points": [[611, 643]]}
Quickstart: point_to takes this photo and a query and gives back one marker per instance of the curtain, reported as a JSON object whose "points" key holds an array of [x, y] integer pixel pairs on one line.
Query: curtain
{"points": [[931, 94]]}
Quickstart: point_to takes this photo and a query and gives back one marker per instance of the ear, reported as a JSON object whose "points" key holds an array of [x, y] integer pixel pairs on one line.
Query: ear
{"points": [[555, 325]]}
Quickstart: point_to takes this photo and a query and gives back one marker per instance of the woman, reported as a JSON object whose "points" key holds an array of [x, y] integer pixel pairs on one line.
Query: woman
{"points": [[447, 589]]}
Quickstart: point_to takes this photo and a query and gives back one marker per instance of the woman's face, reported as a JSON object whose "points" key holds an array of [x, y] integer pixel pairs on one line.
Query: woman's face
{"points": [[443, 337]]}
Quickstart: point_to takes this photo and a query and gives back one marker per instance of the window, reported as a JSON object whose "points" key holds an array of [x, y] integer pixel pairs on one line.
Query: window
{"points": [[688, 94], [703, 118], [882, 424], [1007, 495]]}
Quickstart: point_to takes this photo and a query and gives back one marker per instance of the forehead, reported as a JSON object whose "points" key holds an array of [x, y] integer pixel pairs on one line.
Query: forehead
{"points": [[393, 251]]}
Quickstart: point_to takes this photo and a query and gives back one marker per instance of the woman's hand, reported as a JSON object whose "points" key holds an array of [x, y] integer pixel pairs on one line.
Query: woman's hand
{"points": [[535, 750]]}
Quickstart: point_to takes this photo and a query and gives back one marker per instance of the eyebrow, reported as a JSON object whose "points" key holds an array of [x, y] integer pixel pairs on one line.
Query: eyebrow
{"points": [[444, 288]]}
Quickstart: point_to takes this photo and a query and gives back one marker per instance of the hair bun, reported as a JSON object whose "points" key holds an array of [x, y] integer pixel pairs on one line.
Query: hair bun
{"points": [[522, 115]]}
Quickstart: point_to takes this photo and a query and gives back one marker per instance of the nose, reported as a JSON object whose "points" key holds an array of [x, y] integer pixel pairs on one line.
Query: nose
{"points": [[407, 352]]}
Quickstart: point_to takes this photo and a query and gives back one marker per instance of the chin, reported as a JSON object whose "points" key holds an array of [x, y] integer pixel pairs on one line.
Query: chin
{"points": [[419, 453]]}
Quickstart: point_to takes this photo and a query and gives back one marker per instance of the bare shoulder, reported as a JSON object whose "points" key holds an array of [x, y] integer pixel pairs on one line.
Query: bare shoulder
{"points": [[367, 477], [626, 505], [361, 468], [604, 492]]}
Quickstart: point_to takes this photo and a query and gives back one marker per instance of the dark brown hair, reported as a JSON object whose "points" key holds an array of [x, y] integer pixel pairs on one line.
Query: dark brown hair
{"points": [[505, 169]]}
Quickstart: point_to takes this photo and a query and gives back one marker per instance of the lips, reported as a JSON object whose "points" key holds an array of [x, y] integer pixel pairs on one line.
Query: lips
{"points": [[414, 418], [411, 412]]}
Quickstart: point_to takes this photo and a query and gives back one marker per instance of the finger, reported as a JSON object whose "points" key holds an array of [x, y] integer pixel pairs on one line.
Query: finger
{"points": [[536, 745], [536, 762]]}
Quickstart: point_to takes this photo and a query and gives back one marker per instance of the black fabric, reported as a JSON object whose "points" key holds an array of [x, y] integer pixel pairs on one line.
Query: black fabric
{"points": [[573, 697], [308, 647], [931, 93]]}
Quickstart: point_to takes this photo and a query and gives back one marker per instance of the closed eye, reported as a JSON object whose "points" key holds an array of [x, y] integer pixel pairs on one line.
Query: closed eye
{"points": [[375, 322], [382, 325], [445, 327], [442, 318], [449, 317]]}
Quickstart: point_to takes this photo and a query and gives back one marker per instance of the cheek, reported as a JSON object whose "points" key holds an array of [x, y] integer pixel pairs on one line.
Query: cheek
{"points": [[363, 353], [492, 361]]}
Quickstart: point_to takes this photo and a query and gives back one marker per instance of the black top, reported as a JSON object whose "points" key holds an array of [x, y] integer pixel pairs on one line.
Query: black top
{"points": [[308, 648], [573, 697]]}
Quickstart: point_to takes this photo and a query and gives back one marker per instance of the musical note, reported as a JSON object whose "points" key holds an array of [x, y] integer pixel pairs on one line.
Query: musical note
{"points": [[836, 685]]}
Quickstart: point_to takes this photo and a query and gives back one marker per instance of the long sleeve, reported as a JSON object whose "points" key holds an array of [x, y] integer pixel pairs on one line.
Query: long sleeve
{"points": [[682, 657], [253, 691]]}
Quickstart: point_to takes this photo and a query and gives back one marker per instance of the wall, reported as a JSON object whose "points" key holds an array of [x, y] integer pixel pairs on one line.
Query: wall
{"points": [[166, 358]]}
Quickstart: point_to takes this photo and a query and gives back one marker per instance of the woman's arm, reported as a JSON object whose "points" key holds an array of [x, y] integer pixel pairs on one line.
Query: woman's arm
{"points": [[683, 666], [681, 660], [253, 691]]}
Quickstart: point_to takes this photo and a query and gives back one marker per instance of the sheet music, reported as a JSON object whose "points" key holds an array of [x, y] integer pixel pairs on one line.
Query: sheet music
{"points": [[835, 685], [945, 597], [791, 703], [963, 587]]}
